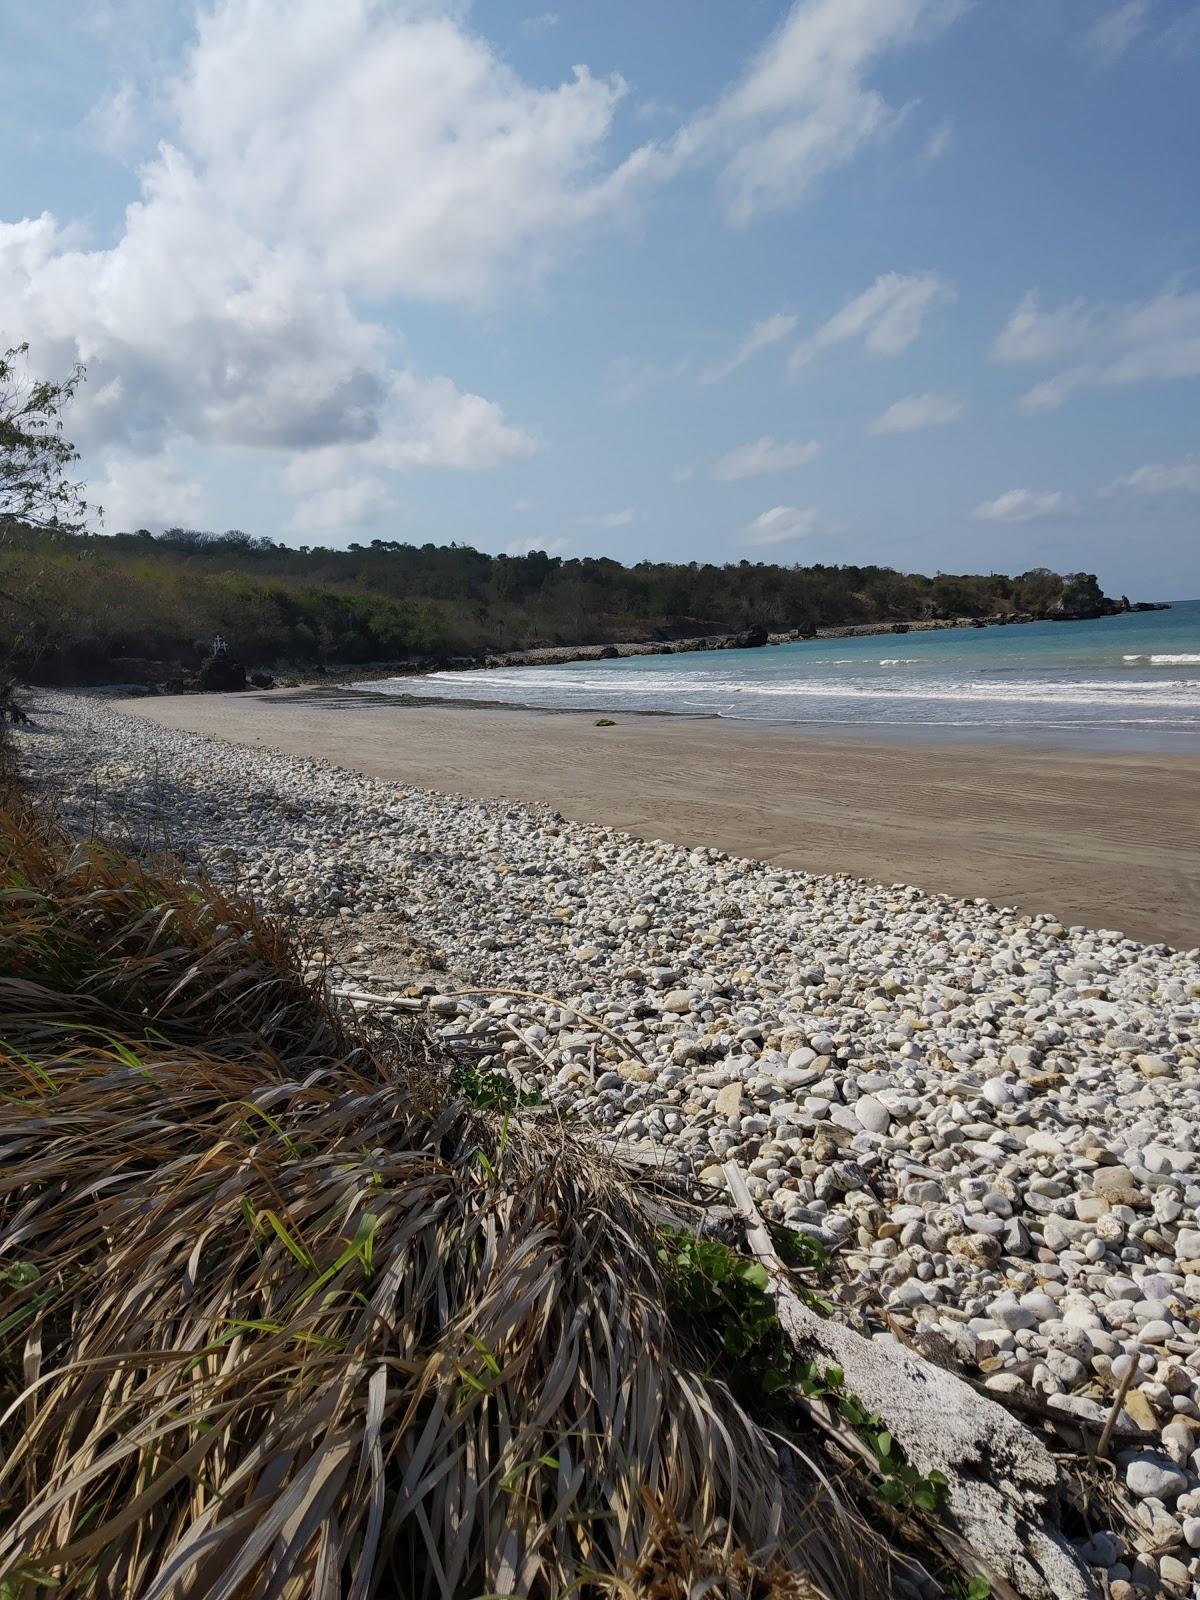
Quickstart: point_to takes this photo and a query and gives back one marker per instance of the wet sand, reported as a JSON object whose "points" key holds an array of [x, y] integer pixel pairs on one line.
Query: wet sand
{"points": [[1108, 840]]}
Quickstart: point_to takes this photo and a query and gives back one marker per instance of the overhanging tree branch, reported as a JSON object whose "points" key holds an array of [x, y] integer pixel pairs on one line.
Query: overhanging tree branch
{"points": [[35, 456]]}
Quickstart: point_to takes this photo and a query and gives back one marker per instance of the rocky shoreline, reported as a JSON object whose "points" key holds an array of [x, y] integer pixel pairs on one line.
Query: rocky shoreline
{"points": [[222, 673], [991, 1120], [559, 655], [754, 638]]}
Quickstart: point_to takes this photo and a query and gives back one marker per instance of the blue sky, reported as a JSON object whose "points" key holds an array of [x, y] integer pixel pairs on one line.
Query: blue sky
{"points": [[906, 281]]}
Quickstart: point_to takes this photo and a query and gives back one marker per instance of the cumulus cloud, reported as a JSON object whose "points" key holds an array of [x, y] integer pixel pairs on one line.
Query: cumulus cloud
{"points": [[783, 524], [682, 474], [390, 153], [1020, 505], [887, 317], [764, 455], [1102, 347], [149, 492], [401, 146], [1163, 477], [915, 411], [345, 506], [1110, 36], [608, 519], [420, 422], [762, 335]]}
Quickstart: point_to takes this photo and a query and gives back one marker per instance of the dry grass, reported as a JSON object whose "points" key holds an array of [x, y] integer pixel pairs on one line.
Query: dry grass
{"points": [[279, 1316]]}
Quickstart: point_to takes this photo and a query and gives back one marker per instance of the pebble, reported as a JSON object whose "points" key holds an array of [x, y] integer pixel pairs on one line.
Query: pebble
{"points": [[1174, 1574], [986, 1112], [1154, 1477], [873, 1116]]}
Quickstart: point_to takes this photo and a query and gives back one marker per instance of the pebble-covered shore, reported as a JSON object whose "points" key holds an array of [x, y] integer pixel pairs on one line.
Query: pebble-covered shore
{"points": [[993, 1120]]}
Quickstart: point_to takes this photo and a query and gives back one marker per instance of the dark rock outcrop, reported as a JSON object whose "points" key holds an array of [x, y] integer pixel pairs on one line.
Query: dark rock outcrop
{"points": [[220, 673]]}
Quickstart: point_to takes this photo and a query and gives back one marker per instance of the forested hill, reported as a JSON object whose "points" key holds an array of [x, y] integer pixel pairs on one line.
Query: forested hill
{"points": [[71, 607]]}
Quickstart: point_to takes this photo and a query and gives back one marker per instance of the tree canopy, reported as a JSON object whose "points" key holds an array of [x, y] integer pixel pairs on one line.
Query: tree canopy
{"points": [[35, 456], [162, 598]]}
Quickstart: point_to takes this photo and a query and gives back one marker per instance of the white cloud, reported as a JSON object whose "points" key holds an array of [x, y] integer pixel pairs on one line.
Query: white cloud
{"points": [[527, 505], [149, 492], [628, 380], [652, 109], [1032, 334], [1103, 347], [549, 547], [608, 519], [223, 313], [534, 27], [1053, 392], [919, 411], [354, 503], [782, 524], [887, 317], [114, 124], [410, 157], [762, 335], [939, 140], [390, 152], [804, 106], [1110, 36], [682, 474], [430, 422], [764, 455], [1020, 505], [421, 422], [1163, 477]]}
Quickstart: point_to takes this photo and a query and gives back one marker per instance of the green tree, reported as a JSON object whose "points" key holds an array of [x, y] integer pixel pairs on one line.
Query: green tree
{"points": [[36, 492], [35, 456]]}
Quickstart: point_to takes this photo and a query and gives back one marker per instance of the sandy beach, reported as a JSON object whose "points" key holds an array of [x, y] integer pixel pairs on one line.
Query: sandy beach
{"points": [[1106, 840], [987, 1119]]}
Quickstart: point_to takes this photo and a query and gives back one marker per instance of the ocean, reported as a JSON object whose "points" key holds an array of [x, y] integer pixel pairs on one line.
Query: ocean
{"points": [[1125, 682]]}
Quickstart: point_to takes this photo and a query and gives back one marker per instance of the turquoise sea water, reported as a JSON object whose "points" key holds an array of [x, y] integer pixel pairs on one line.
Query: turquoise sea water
{"points": [[1131, 681]]}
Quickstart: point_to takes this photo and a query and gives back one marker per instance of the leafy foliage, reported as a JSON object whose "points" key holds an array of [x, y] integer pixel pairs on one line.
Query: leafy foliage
{"points": [[35, 457], [491, 1091], [140, 597], [724, 1302]]}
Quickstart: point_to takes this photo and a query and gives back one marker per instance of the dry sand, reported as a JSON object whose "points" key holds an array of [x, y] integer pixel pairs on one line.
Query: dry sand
{"points": [[1108, 840]]}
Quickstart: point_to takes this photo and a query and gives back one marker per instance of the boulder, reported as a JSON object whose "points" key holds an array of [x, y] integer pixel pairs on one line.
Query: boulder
{"points": [[1004, 1490], [221, 673]]}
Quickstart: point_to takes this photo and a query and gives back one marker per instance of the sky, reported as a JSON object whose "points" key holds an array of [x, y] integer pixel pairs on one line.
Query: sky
{"points": [[912, 282]]}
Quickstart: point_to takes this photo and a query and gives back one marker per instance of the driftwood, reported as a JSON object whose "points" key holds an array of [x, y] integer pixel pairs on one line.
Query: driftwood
{"points": [[1004, 1486]]}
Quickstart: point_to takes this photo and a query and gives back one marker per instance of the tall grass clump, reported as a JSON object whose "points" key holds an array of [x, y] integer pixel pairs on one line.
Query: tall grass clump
{"points": [[282, 1315]]}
